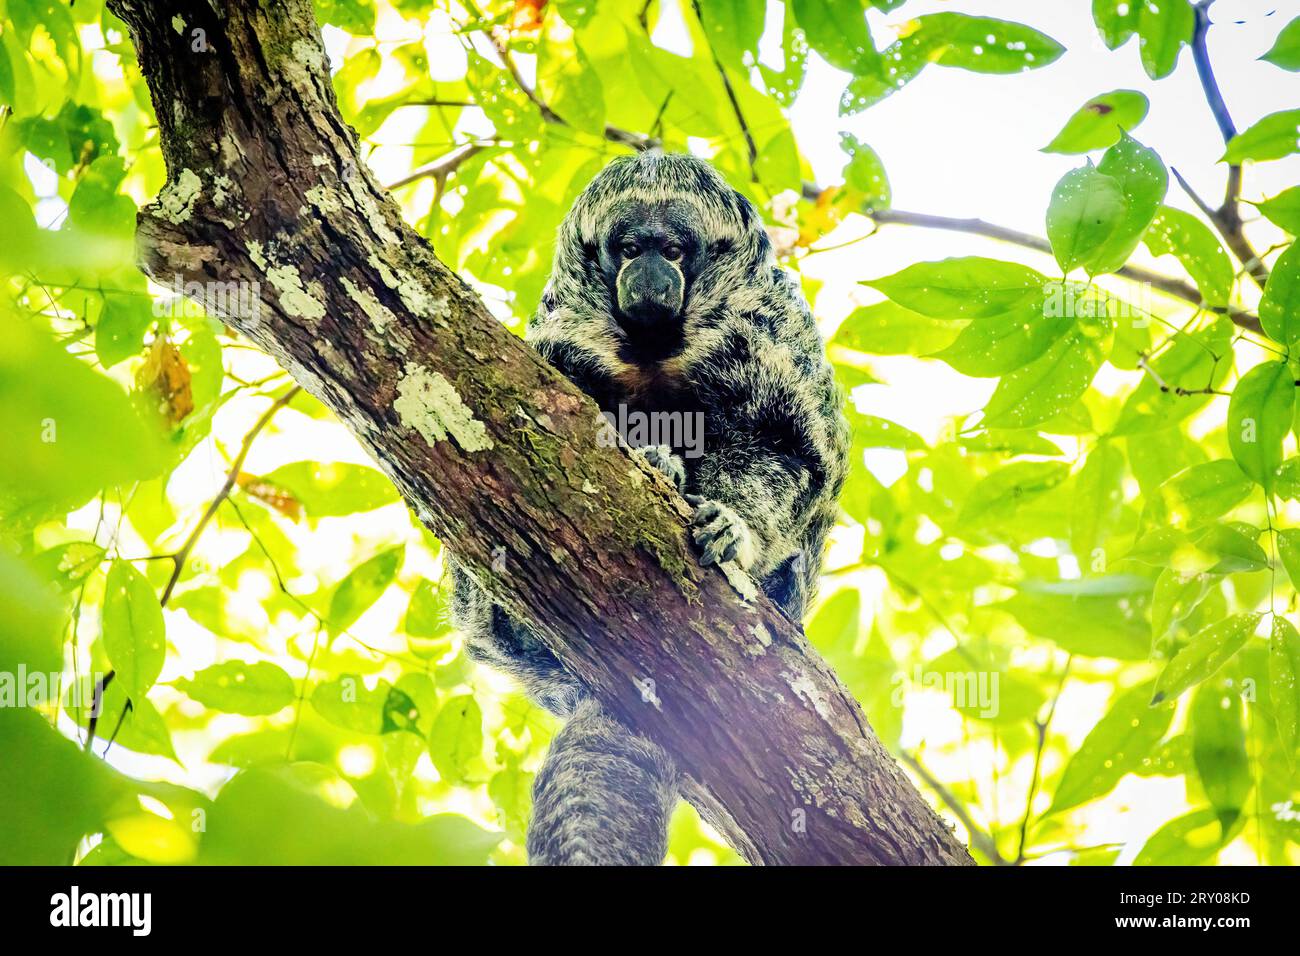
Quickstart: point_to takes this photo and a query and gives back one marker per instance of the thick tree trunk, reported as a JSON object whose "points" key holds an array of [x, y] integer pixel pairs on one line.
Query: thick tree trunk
{"points": [[494, 449]]}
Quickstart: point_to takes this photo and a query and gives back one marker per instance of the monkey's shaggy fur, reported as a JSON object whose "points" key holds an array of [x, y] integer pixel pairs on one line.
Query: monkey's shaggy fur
{"points": [[765, 488]]}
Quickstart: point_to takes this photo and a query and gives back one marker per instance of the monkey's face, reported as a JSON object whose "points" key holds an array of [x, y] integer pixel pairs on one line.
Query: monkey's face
{"points": [[649, 260]]}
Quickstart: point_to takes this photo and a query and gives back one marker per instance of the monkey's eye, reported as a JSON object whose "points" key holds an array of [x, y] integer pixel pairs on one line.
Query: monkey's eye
{"points": [[672, 253], [630, 250]]}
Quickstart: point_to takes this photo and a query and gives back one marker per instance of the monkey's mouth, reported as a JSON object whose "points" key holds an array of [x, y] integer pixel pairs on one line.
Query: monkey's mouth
{"points": [[644, 343]]}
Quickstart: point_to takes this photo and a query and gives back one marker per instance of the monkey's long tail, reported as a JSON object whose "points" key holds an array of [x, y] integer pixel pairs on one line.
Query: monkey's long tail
{"points": [[603, 796]]}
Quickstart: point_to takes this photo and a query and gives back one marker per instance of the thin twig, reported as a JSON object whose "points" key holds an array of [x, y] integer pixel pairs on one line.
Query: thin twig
{"points": [[1041, 727], [443, 166], [978, 838], [232, 476], [731, 96]]}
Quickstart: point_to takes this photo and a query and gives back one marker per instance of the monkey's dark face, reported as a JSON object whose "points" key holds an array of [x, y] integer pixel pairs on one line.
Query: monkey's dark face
{"points": [[649, 260]]}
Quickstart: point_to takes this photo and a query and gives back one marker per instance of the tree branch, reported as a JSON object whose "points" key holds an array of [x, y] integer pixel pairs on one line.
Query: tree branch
{"points": [[978, 227], [494, 449], [1227, 218]]}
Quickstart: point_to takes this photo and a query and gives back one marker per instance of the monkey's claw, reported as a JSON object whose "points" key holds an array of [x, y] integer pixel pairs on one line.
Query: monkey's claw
{"points": [[671, 466], [721, 534]]}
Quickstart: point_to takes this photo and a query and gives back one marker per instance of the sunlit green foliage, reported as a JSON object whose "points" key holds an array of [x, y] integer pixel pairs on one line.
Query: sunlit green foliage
{"points": [[1082, 594]]}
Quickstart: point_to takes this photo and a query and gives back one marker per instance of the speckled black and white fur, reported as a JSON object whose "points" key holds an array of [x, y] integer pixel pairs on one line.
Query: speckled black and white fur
{"points": [[764, 489]]}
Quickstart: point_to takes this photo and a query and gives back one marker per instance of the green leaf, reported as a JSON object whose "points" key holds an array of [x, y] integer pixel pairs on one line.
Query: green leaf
{"points": [[346, 702], [872, 432], [135, 638], [238, 688], [1098, 123], [65, 430], [1163, 27], [980, 44], [865, 172], [997, 497], [355, 16], [1116, 20], [997, 344], [1086, 209], [136, 723], [276, 817], [569, 86], [1273, 137], [97, 210], [1202, 493], [1279, 309], [1010, 442], [68, 565], [362, 587], [1219, 750], [985, 44], [1284, 681], [1098, 496], [887, 328], [428, 619], [1284, 210], [119, 333], [1285, 51], [1122, 742], [734, 28], [837, 29], [1288, 549], [965, 288], [1097, 624], [1143, 180], [334, 488], [510, 111], [1051, 383], [783, 85], [456, 739], [1175, 597], [777, 163], [31, 617], [1288, 479], [1181, 234], [1189, 840], [1207, 651], [1221, 548], [1259, 416], [52, 791]]}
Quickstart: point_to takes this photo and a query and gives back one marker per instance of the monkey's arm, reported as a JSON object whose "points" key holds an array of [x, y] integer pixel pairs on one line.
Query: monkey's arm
{"points": [[777, 463]]}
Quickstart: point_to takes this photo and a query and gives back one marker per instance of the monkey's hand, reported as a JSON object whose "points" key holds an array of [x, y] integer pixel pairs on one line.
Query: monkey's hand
{"points": [[671, 466], [721, 534]]}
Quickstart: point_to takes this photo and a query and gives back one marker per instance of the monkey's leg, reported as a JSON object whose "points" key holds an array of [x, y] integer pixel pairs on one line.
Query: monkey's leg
{"points": [[602, 797]]}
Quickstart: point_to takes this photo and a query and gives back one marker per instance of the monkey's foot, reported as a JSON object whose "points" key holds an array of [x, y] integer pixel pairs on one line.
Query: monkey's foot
{"points": [[671, 466], [721, 534]]}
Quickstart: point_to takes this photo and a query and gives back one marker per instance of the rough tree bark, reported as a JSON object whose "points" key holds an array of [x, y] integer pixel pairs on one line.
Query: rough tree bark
{"points": [[492, 448]]}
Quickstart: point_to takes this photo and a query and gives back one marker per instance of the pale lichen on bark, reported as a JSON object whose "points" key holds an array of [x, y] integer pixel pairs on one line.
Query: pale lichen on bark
{"points": [[430, 405]]}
